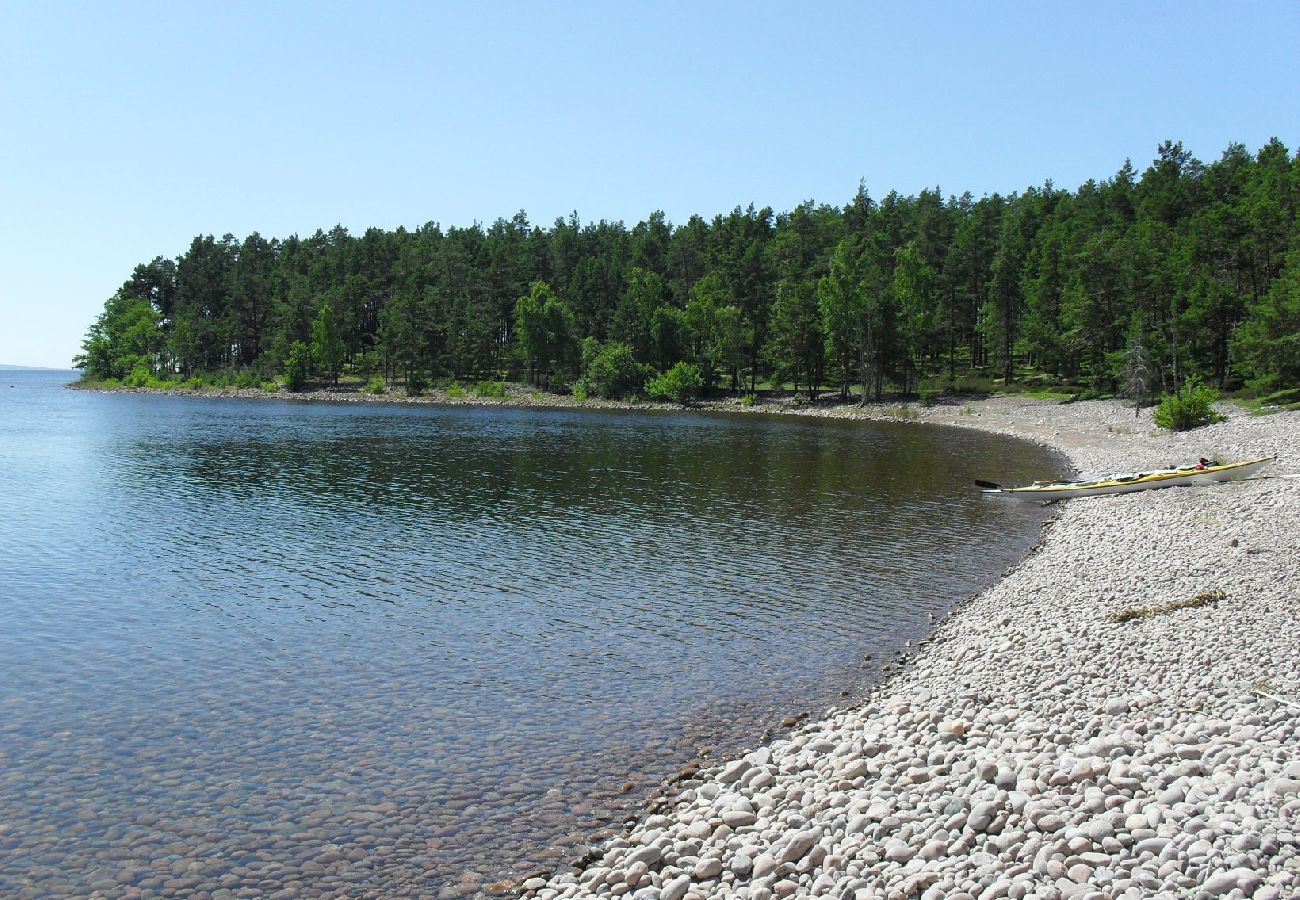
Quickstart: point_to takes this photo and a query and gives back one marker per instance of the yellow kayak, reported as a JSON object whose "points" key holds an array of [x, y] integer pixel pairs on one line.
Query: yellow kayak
{"points": [[1205, 472]]}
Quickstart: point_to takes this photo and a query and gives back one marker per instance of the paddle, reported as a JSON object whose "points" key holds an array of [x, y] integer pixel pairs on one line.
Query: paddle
{"points": [[989, 485]]}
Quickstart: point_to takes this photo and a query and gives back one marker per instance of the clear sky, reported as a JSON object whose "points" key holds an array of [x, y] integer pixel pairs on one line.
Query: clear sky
{"points": [[128, 128]]}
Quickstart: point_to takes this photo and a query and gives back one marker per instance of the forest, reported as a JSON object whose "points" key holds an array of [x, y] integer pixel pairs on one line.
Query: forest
{"points": [[1138, 282]]}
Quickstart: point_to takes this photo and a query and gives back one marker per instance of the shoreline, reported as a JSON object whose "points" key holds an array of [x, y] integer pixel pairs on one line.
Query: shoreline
{"points": [[957, 410], [1030, 747]]}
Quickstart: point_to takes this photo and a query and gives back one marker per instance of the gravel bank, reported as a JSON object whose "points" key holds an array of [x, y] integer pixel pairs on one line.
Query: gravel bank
{"points": [[1032, 748]]}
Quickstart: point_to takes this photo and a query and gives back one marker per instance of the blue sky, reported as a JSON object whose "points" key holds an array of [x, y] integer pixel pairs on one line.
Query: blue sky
{"points": [[128, 128]]}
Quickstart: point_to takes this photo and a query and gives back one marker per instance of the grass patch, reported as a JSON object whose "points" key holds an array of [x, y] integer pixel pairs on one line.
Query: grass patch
{"points": [[1139, 613], [903, 411], [1278, 401]]}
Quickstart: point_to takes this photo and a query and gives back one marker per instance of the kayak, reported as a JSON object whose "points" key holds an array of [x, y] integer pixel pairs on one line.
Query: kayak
{"points": [[1127, 482]]}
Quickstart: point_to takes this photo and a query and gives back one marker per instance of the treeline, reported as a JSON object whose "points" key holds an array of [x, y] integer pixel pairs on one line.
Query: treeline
{"points": [[1188, 269]]}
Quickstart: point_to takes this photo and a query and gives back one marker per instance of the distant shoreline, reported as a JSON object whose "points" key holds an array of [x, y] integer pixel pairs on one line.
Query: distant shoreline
{"points": [[956, 410]]}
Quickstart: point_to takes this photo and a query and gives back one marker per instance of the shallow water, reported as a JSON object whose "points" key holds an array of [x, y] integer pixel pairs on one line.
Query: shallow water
{"points": [[389, 650]]}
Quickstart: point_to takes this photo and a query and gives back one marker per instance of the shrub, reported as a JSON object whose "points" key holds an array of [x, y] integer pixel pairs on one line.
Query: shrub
{"points": [[680, 384], [749, 400], [614, 372], [139, 377], [270, 386], [296, 366], [454, 391], [246, 378], [494, 389], [1190, 408], [375, 386], [580, 390]]}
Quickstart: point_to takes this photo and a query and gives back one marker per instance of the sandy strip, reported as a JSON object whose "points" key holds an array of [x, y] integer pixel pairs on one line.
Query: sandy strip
{"points": [[1032, 748]]}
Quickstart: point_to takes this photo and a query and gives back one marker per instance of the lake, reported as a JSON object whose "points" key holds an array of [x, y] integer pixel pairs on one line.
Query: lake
{"points": [[375, 649]]}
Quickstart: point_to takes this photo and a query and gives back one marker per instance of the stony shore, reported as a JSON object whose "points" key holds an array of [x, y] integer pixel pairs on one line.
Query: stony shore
{"points": [[1035, 747]]}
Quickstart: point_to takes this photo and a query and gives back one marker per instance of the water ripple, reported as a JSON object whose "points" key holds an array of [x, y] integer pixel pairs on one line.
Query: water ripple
{"points": [[401, 651]]}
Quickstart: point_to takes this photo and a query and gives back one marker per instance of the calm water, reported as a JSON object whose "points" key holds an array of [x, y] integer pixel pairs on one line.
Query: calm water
{"points": [[392, 651]]}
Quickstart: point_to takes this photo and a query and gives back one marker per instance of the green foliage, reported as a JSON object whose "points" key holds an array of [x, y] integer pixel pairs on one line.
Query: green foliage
{"points": [[327, 347], [680, 384], [495, 390], [914, 287], [454, 391], [269, 386], [1289, 397], [748, 400], [613, 372], [543, 328], [579, 390], [1198, 264], [375, 386], [246, 378], [796, 348], [856, 312], [1191, 407], [138, 377], [141, 377], [297, 366], [126, 338], [1268, 341], [639, 319]]}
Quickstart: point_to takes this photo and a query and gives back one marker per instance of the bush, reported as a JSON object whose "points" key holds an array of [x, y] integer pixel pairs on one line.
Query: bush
{"points": [[580, 390], [139, 377], [454, 391], [680, 384], [494, 389], [270, 386], [375, 386], [246, 378], [297, 365], [613, 372], [749, 400], [1190, 408]]}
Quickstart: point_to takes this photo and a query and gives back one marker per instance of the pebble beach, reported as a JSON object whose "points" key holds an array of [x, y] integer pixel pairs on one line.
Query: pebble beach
{"points": [[1118, 717]]}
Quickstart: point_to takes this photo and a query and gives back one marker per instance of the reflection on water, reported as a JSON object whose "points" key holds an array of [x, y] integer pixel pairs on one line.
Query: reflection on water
{"points": [[259, 646]]}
